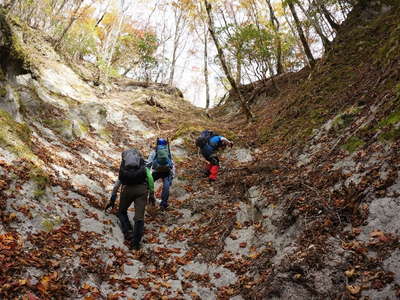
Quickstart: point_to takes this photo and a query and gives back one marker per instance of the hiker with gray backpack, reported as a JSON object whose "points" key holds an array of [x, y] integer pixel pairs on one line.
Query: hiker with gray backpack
{"points": [[209, 143], [160, 160], [137, 185]]}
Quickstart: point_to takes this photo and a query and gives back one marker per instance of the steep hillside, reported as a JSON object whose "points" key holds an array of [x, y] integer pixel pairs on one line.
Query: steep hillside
{"points": [[328, 183], [305, 207]]}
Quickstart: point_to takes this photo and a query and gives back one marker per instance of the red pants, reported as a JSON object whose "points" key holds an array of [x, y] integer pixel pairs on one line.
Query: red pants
{"points": [[213, 171]]}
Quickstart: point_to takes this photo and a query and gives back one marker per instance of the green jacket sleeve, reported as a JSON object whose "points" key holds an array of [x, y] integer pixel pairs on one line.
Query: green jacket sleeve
{"points": [[150, 181]]}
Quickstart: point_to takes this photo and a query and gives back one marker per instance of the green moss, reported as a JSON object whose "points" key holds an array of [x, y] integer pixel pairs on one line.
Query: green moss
{"points": [[353, 144], [2, 75], [391, 135], [105, 134], [16, 137], [41, 180], [185, 129], [102, 112], [393, 118], [58, 126], [49, 223], [83, 127], [389, 48], [38, 176], [3, 91], [39, 193], [397, 91], [344, 119]]}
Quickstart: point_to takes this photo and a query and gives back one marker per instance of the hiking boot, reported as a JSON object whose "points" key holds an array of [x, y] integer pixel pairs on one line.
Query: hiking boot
{"points": [[135, 246], [126, 226], [163, 205], [138, 230], [128, 235]]}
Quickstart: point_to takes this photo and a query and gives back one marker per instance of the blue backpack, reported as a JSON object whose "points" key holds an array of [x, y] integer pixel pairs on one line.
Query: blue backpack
{"points": [[204, 137]]}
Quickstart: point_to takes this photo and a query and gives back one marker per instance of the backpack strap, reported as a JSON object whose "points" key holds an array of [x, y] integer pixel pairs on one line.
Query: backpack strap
{"points": [[169, 150]]}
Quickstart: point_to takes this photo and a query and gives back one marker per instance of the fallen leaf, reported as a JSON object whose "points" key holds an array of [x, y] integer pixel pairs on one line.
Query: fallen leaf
{"points": [[350, 273], [243, 245], [353, 289]]}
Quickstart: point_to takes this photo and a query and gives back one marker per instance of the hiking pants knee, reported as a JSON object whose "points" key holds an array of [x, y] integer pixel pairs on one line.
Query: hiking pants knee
{"points": [[167, 181], [210, 157], [133, 193]]}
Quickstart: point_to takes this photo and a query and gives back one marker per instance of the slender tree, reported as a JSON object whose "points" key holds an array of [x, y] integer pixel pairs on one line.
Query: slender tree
{"points": [[222, 59], [301, 34], [325, 41], [275, 26], [206, 67], [73, 18]]}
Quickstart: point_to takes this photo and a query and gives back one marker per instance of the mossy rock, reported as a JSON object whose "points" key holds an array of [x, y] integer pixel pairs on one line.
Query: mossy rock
{"points": [[344, 119], [391, 135], [2, 75], [353, 143], [16, 137], [187, 129], [39, 177], [3, 91], [59, 126], [393, 119], [49, 223], [105, 134]]}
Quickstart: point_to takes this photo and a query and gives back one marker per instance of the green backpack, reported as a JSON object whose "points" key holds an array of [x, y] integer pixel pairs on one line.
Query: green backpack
{"points": [[162, 161]]}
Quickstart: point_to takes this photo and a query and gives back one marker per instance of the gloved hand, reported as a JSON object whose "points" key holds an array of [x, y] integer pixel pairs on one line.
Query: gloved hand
{"points": [[112, 202], [173, 172], [152, 199]]}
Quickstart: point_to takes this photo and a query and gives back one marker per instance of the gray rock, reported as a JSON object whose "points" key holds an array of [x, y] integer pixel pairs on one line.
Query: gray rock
{"points": [[383, 215]]}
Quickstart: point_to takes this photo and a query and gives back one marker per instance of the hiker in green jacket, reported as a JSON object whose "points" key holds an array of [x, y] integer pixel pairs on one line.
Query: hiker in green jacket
{"points": [[137, 185]]}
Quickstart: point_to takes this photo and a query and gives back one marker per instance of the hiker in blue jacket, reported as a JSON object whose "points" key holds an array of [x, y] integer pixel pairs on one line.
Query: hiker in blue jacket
{"points": [[209, 143], [160, 160]]}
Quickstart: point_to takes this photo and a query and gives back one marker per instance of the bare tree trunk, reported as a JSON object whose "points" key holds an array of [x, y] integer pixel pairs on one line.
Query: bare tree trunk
{"points": [[176, 41], [221, 56], [335, 26], [114, 41], [303, 39], [325, 41], [275, 26], [179, 25], [73, 18], [206, 68], [61, 7], [303, 54]]}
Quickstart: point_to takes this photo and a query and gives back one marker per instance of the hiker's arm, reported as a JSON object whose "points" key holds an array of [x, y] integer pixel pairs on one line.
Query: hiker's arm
{"points": [[225, 142], [114, 194], [150, 181], [173, 170], [150, 159], [150, 185]]}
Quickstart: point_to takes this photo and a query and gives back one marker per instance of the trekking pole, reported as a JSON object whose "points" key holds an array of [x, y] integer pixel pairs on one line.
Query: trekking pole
{"points": [[169, 149]]}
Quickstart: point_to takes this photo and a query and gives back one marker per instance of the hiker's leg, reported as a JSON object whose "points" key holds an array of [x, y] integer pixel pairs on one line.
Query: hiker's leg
{"points": [[214, 168], [156, 175], [126, 200], [140, 199], [207, 155], [140, 206], [167, 181]]}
